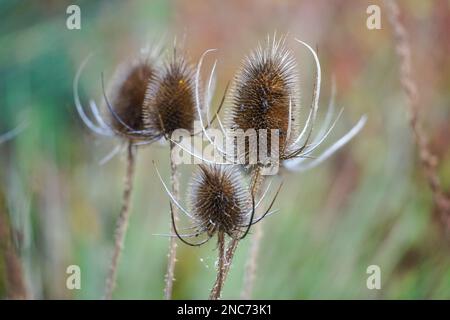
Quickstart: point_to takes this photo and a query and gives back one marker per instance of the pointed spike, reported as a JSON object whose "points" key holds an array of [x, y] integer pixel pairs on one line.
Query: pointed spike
{"points": [[331, 150], [170, 193], [78, 104]]}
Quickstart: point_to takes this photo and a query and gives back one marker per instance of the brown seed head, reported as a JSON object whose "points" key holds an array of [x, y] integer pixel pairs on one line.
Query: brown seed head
{"points": [[219, 200], [170, 100], [127, 94], [263, 90]]}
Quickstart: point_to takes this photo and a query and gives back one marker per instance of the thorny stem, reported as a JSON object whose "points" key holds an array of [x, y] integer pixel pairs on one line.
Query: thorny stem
{"points": [[427, 159], [252, 261], [122, 223], [172, 255], [229, 254], [220, 279]]}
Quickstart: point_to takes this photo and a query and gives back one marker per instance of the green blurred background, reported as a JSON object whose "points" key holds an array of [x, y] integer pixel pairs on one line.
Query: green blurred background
{"points": [[369, 204]]}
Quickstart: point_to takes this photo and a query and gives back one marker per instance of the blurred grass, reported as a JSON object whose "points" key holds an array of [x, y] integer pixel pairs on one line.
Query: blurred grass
{"points": [[367, 205]]}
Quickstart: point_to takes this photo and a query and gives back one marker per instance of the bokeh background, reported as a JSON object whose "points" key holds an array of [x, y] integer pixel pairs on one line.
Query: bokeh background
{"points": [[369, 204]]}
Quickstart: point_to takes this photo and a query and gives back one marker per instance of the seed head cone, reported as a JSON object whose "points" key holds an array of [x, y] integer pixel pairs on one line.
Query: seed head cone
{"points": [[218, 199], [170, 100]]}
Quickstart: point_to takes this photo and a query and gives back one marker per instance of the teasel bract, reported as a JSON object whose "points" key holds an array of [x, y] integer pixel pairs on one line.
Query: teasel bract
{"points": [[220, 203], [299, 156]]}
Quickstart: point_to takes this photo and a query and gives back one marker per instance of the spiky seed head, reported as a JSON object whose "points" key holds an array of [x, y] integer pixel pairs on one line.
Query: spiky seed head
{"points": [[126, 95], [263, 89], [170, 100], [219, 200]]}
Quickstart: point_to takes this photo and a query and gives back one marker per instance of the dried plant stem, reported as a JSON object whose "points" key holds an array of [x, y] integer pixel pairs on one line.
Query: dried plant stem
{"points": [[252, 261], [172, 256], [217, 290], [15, 284], [122, 223], [427, 159], [251, 264], [219, 283]]}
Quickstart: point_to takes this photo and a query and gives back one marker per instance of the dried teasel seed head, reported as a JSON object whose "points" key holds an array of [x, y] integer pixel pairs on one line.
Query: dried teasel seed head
{"points": [[219, 200], [126, 95], [264, 91], [170, 100]]}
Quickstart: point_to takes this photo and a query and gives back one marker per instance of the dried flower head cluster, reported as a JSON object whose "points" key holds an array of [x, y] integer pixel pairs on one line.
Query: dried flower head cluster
{"points": [[148, 101], [145, 101]]}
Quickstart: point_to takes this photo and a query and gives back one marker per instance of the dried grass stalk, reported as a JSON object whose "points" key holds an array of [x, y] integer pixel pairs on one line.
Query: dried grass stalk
{"points": [[15, 283], [427, 159]]}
